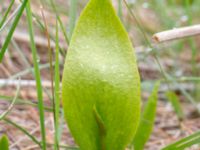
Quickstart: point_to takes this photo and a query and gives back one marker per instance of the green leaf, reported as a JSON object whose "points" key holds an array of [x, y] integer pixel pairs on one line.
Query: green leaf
{"points": [[147, 120], [101, 71], [176, 104], [4, 143], [184, 142]]}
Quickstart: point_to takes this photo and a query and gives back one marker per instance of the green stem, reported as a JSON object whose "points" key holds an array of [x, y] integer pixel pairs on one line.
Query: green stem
{"points": [[37, 76], [12, 29], [120, 9], [72, 15], [57, 89], [6, 14], [59, 21], [23, 130]]}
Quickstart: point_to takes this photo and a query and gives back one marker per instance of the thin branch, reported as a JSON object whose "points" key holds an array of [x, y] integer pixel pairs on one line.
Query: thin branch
{"points": [[177, 33]]}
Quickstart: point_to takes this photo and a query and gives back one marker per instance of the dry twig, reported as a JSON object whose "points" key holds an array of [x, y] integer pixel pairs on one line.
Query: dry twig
{"points": [[176, 33]]}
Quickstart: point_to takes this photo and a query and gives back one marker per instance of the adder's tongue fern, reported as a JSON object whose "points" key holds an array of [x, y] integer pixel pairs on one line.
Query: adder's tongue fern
{"points": [[101, 84]]}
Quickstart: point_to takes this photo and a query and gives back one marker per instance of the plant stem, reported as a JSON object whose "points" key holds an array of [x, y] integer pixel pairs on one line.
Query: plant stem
{"points": [[37, 76], [59, 21], [72, 15], [23, 130], [7, 12], [57, 88], [12, 29], [120, 9]]}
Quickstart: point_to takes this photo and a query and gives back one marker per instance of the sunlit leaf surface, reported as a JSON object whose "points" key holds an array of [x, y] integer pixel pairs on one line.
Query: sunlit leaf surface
{"points": [[101, 85]]}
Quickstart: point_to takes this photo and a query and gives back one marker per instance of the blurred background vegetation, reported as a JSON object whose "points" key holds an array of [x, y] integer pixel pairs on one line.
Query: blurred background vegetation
{"points": [[175, 63]]}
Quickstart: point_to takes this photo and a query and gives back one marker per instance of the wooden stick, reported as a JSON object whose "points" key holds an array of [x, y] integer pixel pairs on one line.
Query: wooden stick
{"points": [[177, 33]]}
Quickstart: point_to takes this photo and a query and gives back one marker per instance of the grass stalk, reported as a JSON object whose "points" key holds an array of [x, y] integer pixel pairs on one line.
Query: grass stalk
{"points": [[191, 42], [6, 13], [193, 47], [12, 29], [72, 16], [23, 130], [119, 11], [52, 76], [37, 76], [57, 88], [9, 19], [42, 27], [60, 21], [184, 142]]}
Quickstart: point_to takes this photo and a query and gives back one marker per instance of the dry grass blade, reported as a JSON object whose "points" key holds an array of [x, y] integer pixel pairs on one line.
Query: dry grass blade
{"points": [[2, 116], [51, 72]]}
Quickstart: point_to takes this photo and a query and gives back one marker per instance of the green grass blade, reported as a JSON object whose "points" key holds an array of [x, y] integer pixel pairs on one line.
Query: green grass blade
{"points": [[188, 12], [64, 146], [176, 104], [72, 15], [120, 9], [63, 30], [185, 142], [8, 121], [193, 46], [10, 18], [6, 13], [42, 28], [4, 143], [139, 25], [147, 120], [59, 21], [12, 29], [37, 76], [57, 88]]}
